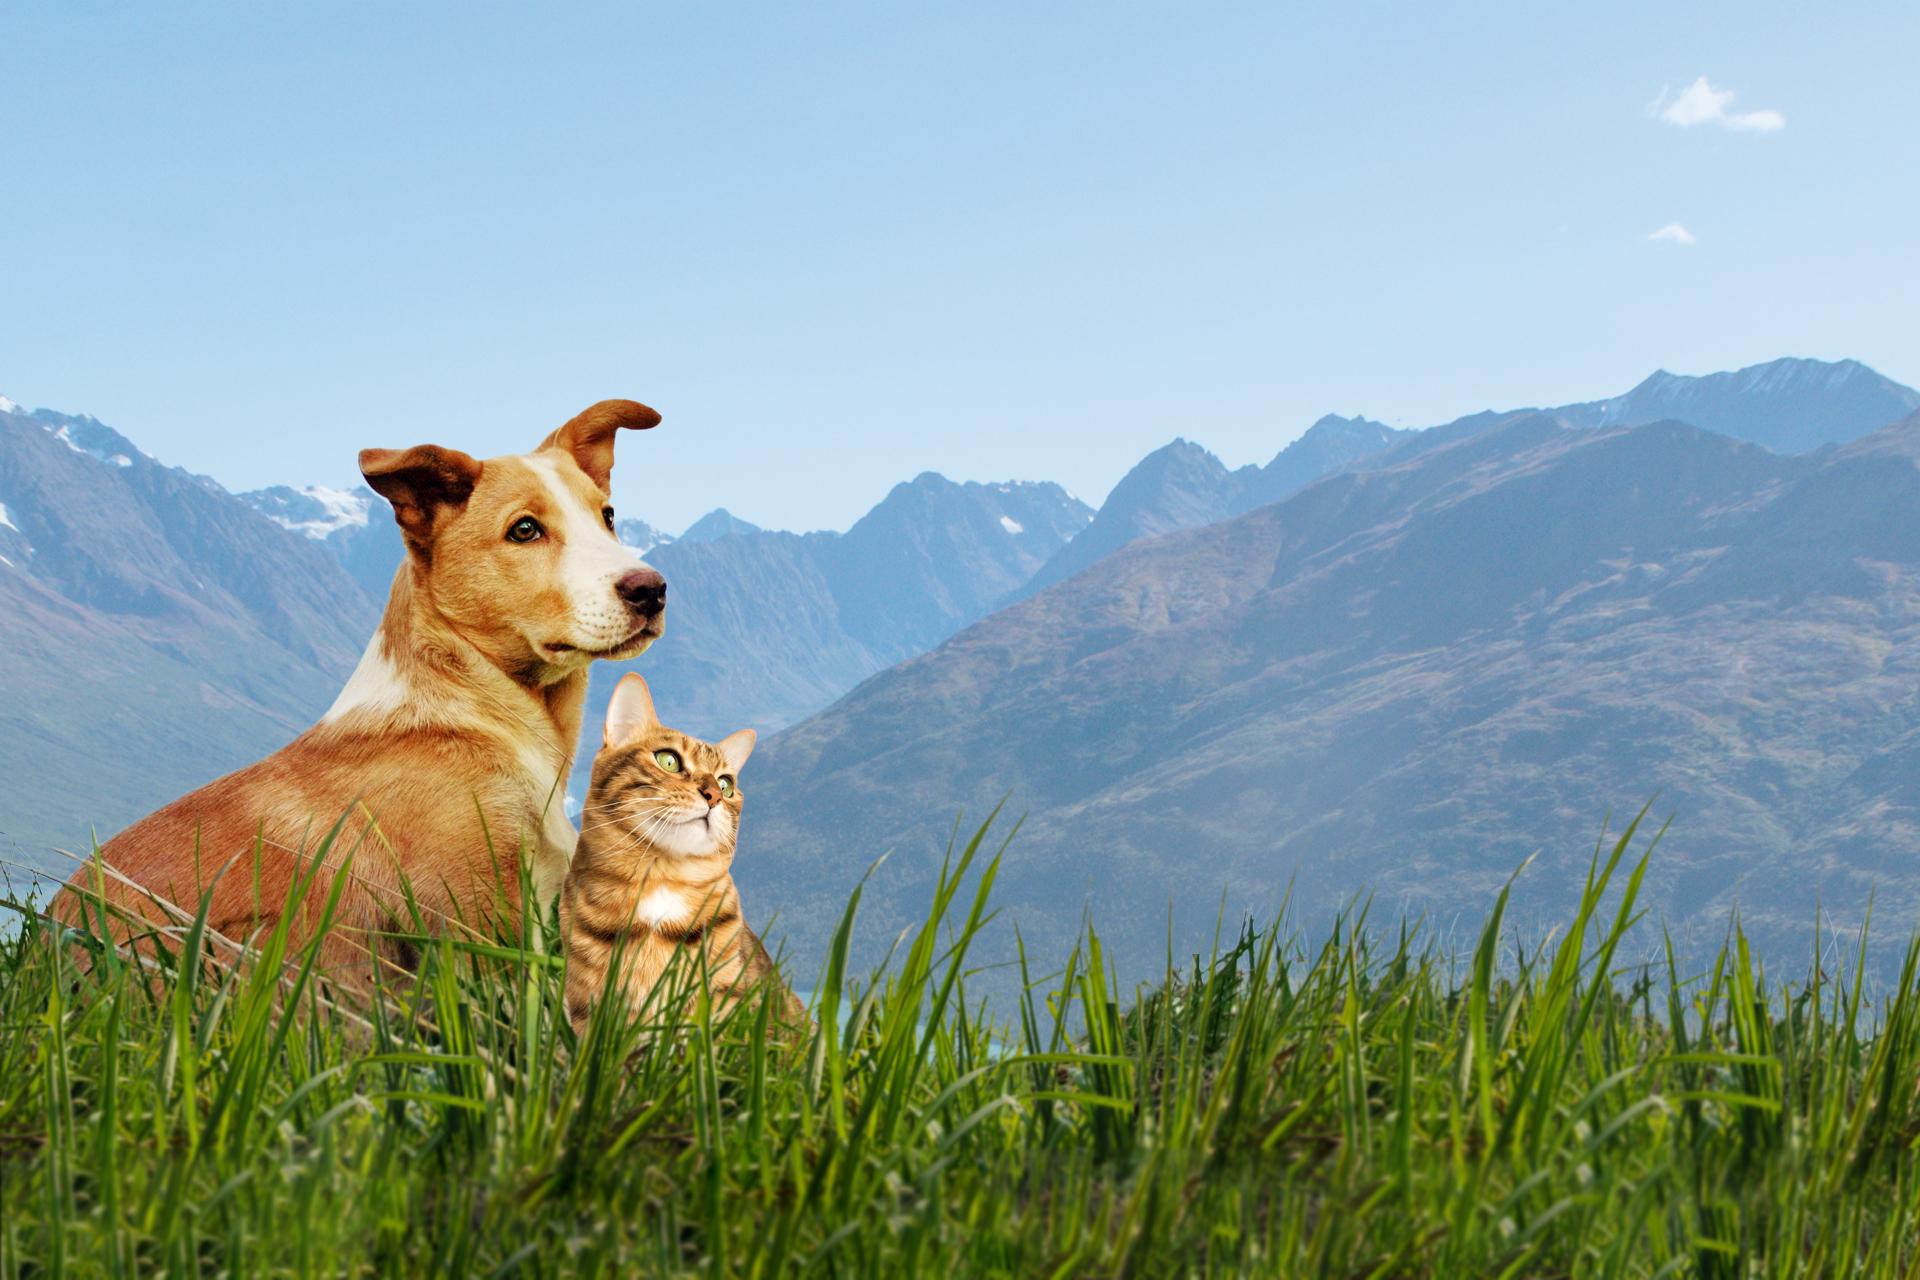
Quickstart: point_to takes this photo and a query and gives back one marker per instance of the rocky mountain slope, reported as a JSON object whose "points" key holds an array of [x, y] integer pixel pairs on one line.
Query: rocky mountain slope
{"points": [[1405, 679], [155, 631]]}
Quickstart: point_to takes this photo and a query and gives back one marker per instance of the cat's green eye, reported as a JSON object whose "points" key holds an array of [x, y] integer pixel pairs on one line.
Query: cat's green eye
{"points": [[668, 760], [726, 785]]}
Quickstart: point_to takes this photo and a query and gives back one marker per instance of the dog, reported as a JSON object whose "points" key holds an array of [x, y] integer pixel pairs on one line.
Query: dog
{"points": [[444, 759]]}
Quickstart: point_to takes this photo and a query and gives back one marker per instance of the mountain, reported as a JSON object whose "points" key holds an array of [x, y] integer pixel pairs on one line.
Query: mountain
{"points": [[935, 555], [640, 535], [155, 631], [1177, 486], [717, 523], [1405, 679], [764, 627], [1182, 486], [1789, 406], [355, 525], [1329, 445]]}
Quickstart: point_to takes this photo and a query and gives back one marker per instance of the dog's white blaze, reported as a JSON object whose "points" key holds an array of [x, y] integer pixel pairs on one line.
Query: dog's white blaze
{"points": [[591, 561], [660, 906], [375, 686]]}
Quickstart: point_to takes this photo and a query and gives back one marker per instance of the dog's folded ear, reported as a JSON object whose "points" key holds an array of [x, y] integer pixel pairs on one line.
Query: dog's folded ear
{"points": [[423, 483], [631, 712], [589, 436]]}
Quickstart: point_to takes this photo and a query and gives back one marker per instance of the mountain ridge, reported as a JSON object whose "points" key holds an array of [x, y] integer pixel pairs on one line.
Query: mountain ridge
{"points": [[1408, 679]]}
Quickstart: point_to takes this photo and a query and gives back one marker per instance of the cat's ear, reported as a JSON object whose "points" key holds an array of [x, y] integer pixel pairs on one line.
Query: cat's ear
{"points": [[631, 712], [736, 747]]}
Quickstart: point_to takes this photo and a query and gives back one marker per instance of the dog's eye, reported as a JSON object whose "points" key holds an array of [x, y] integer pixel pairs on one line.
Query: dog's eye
{"points": [[606, 513], [525, 529], [726, 785], [668, 760]]}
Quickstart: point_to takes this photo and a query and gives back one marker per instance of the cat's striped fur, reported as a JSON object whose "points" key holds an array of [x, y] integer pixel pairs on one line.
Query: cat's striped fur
{"points": [[650, 885]]}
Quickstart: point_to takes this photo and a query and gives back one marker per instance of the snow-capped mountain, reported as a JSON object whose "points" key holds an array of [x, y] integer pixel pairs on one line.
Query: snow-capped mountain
{"points": [[640, 535]]}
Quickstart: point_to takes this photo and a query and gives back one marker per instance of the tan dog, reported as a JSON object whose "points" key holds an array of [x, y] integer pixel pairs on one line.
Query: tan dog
{"points": [[449, 748]]}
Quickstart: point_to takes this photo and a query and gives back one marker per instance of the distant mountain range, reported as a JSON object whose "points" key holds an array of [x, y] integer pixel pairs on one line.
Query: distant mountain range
{"points": [[1790, 406], [1404, 680], [1439, 650]]}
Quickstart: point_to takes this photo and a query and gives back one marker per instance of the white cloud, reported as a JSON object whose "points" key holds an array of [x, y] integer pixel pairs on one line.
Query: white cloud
{"points": [[1701, 103], [1673, 233]]}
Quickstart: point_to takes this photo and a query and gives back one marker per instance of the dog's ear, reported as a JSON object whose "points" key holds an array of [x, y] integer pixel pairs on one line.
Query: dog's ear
{"points": [[423, 484], [631, 712], [588, 438], [736, 747]]}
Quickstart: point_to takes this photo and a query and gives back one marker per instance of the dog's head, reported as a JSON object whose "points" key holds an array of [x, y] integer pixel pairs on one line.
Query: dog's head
{"points": [[518, 553]]}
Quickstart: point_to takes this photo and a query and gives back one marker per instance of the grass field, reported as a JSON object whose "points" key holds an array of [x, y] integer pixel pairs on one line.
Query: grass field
{"points": [[1362, 1107]]}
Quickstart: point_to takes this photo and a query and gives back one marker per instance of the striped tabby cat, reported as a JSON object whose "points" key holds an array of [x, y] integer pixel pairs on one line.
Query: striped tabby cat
{"points": [[650, 875]]}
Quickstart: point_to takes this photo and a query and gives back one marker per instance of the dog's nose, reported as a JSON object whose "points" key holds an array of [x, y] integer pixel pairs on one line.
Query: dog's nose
{"points": [[644, 590]]}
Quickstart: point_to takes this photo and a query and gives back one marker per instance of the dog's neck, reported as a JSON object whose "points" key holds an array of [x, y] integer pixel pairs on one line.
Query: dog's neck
{"points": [[419, 672]]}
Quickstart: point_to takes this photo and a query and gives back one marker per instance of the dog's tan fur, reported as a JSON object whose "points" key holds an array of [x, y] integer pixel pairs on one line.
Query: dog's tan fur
{"points": [[448, 751]]}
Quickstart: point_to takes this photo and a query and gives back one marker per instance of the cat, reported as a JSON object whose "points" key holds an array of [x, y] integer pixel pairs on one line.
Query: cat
{"points": [[650, 879]]}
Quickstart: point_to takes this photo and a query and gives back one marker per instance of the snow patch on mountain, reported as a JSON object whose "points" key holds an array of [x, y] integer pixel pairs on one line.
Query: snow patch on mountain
{"points": [[341, 507], [6, 519], [640, 535], [87, 436], [10, 406], [316, 511], [1011, 525]]}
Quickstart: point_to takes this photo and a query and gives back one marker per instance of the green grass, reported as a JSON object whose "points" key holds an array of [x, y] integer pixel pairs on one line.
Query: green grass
{"points": [[1365, 1107]]}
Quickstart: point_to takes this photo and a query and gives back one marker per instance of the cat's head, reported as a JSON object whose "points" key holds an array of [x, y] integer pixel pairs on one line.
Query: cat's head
{"points": [[673, 793]]}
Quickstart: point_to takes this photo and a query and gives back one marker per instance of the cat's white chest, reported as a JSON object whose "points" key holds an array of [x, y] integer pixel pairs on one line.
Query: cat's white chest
{"points": [[661, 906]]}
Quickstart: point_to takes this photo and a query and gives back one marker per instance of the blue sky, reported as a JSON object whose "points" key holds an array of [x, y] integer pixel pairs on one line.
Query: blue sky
{"points": [[838, 245]]}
